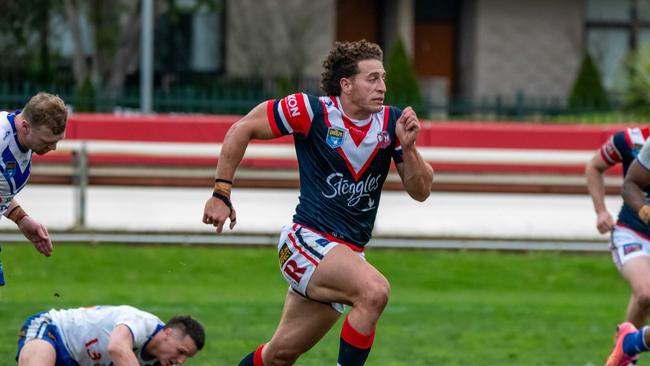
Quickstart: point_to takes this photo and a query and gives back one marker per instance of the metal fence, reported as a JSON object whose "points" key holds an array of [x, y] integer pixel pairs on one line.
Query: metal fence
{"points": [[235, 95]]}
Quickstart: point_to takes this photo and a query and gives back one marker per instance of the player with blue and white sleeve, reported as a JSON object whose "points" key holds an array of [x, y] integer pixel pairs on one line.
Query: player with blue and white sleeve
{"points": [[107, 336], [37, 128]]}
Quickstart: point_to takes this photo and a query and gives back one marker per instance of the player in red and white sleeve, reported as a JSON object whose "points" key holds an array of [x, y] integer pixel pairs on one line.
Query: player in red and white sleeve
{"points": [[345, 143]]}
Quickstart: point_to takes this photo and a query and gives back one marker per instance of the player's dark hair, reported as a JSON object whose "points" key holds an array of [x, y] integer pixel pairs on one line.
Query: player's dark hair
{"points": [[343, 62], [190, 327], [48, 110]]}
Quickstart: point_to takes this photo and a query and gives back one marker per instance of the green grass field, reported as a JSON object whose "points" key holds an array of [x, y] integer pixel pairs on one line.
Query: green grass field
{"points": [[446, 308]]}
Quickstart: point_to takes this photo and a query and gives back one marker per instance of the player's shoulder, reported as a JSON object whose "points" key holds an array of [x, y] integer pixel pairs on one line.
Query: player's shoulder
{"points": [[631, 137]]}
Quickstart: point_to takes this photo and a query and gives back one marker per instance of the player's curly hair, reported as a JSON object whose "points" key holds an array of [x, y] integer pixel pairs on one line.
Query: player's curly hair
{"points": [[343, 62]]}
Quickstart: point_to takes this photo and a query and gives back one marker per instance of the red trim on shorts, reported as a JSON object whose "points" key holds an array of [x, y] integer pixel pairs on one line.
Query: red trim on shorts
{"points": [[271, 118], [257, 356], [304, 254], [634, 231], [330, 238], [354, 338]]}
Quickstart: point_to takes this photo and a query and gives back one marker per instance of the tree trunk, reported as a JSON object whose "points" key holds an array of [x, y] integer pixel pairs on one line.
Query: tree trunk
{"points": [[127, 50], [79, 67]]}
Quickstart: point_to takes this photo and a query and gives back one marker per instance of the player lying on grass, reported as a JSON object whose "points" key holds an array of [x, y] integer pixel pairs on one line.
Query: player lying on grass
{"points": [[107, 335]]}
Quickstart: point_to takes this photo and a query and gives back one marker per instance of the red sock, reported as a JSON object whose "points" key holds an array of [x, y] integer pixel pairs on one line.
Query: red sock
{"points": [[254, 358], [257, 356], [355, 347]]}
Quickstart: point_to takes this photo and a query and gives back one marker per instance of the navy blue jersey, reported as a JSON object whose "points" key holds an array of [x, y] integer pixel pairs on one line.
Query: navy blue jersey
{"points": [[343, 163], [623, 147]]}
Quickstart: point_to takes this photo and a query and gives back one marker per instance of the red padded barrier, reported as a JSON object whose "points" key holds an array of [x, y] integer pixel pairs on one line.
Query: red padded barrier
{"points": [[212, 129]]}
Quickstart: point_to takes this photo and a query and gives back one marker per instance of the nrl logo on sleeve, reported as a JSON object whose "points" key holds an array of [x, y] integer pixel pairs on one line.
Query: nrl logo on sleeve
{"points": [[383, 139], [10, 169], [335, 137]]}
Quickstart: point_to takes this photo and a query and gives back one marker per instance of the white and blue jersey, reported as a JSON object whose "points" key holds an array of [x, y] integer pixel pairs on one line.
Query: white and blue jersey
{"points": [[15, 161], [80, 336], [343, 163], [623, 147]]}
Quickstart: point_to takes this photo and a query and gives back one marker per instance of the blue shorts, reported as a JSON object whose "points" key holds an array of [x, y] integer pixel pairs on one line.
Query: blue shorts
{"points": [[40, 326]]}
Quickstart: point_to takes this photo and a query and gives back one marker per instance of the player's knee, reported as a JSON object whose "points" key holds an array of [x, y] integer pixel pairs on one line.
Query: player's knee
{"points": [[375, 295], [642, 298], [282, 357]]}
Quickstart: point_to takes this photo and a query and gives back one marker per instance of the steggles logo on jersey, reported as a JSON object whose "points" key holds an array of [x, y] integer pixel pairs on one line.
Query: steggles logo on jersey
{"points": [[334, 137], [383, 139], [353, 192]]}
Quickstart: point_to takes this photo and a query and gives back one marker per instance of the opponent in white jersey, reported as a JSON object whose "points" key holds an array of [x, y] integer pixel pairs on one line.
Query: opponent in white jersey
{"points": [[630, 341], [37, 128], [345, 143], [106, 336]]}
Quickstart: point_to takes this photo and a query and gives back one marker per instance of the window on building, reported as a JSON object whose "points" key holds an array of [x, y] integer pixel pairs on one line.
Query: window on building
{"points": [[190, 38], [614, 28]]}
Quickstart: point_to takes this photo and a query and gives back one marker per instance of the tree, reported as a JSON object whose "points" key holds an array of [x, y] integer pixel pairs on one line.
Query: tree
{"points": [[114, 28], [588, 91], [401, 80], [268, 40], [25, 31], [636, 94]]}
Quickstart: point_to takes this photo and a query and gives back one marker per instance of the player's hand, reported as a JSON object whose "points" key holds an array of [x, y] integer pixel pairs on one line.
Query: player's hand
{"points": [[216, 212], [604, 222], [37, 234], [408, 127]]}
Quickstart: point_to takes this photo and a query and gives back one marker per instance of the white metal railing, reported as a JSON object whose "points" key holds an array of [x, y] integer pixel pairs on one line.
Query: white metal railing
{"points": [[286, 151], [81, 149]]}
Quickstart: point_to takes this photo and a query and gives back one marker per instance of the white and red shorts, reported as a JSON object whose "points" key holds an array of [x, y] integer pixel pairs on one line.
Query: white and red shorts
{"points": [[300, 250], [626, 244]]}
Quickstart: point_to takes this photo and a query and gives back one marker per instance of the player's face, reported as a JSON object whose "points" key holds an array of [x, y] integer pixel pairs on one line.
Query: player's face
{"points": [[175, 348], [368, 87], [41, 140]]}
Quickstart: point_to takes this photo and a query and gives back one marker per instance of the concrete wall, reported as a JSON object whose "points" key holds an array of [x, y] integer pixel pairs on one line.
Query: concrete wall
{"points": [[278, 37], [532, 46]]}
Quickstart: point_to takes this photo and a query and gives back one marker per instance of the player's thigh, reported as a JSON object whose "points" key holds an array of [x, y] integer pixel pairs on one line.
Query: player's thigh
{"points": [[303, 323], [636, 272], [344, 276], [37, 352], [631, 254]]}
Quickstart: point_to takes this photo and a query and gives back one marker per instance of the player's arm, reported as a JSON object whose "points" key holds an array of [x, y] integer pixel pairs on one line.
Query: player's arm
{"points": [[594, 172], [416, 174], [120, 346], [636, 179], [255, 125], [33, 230]]}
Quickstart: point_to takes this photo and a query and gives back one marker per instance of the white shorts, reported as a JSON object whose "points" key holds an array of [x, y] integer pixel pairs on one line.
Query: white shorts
{"points": [[300, 250], [626, 244]]}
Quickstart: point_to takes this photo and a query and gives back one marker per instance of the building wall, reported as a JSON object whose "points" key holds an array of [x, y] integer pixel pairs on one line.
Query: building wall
{"points": [[532, 46], [278, 37]]}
